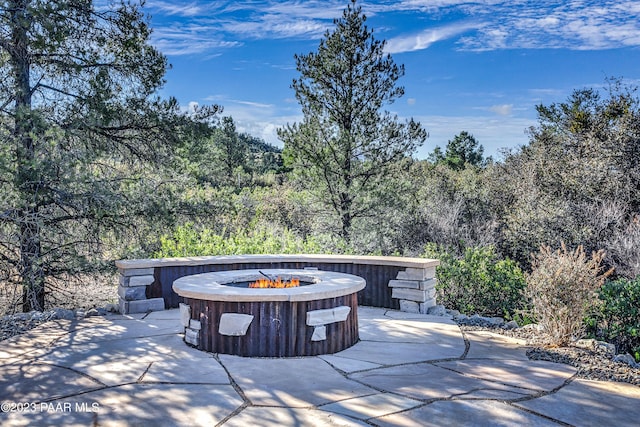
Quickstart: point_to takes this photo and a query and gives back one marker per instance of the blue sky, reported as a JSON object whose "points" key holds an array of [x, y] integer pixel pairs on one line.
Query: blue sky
{"points": [[480, 66]]}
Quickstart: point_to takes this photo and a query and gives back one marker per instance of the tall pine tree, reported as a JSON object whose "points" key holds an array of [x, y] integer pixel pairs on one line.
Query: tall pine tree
{"points": [[78, 122], [346, 143]]}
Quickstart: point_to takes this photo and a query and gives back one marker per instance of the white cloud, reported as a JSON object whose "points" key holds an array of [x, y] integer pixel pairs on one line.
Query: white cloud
{"points": [[188, 39], [498, 24], [193, 106], [323, 10], [253, 104], [192, 9], [531, 24], [426, 38], [275, 26], [578, 25], [502, 110]]}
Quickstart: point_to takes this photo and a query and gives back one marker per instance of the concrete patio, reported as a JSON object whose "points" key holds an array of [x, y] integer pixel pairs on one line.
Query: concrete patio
{"points": [[407, 370]]}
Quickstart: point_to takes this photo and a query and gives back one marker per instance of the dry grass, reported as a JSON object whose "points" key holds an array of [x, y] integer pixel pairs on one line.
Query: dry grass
{"points": [[562, 287], [78, 292]]}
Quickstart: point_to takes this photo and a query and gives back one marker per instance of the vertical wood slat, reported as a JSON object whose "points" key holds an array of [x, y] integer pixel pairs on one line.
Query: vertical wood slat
{"points": [[278, 330]]}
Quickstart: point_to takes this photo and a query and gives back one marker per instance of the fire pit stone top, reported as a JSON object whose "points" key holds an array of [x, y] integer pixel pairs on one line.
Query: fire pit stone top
{"points": [[219, 286]]}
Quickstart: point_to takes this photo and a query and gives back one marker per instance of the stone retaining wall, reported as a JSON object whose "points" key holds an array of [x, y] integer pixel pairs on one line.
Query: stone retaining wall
{"points": [[132, 291], [401, 283], [415, 288]]}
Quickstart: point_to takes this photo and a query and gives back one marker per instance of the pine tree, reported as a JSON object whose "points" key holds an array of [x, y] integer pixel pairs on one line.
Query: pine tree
{"points": [[78, 121], [346, 143]]}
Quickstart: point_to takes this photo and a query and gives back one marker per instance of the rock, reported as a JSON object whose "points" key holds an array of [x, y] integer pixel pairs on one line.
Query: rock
{"points": [[494, 321], [327, 315], [477, 320], [534, 326], [92, 312], [454, 313], [512, 324], [234, 324], [185, 314], [461, 318], [63, 314], [601, 347], [21, 316], [437, 310], [319, 333], [191, 336], [409, 306], [196, 325], [112, 308], [605, 348], [627, 359], [589, 344], [37, 316]]}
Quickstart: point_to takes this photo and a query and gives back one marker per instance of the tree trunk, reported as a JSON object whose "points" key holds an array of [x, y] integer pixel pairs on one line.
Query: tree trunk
{"points": [[26, 179], [31, 270], [345, 217]]}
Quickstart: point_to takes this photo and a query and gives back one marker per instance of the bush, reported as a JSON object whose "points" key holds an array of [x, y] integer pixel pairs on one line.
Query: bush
{"points": [[563, 287], [187, 240], [479, 282], [618, 318]]}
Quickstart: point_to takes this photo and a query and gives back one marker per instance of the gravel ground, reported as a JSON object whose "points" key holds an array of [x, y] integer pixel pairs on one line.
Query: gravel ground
{"points": [[595, 363], [77, 298]]}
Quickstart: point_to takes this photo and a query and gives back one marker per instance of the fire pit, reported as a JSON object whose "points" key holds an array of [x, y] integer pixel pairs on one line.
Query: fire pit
{"points": [[222, 314]]}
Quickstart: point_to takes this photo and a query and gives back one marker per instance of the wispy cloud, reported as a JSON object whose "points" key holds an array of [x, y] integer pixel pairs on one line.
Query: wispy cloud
{"points": [[322, 10], [166, 8], [252, 104], [527, 24], [197, 27], [220, 98], [274, 26], [189, 39], [577, 25], [502, 110], [473, 24], [426, 38]]}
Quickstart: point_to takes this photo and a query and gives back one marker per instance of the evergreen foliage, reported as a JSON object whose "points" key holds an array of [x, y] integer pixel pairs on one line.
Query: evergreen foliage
{"points": [[188, 240], [462, 151], [479, 282], [79, 125], [617, 319], [346, 145]]}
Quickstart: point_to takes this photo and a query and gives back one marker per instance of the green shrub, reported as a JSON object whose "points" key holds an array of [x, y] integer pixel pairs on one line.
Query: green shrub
{"points": [[478, 282], [618, 319], [563, 288], [188, 240]]}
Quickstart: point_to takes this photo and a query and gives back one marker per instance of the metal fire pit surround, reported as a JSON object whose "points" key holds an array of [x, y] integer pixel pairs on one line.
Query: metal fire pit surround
{"points": [[320, 318]]}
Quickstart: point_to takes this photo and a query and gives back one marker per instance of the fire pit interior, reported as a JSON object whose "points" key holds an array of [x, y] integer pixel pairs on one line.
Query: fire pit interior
{"points": [[271, 312]]}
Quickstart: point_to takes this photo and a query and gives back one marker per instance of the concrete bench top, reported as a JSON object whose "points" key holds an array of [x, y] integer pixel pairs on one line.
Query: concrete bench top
{"points": [[212, 286], [310, 258]]}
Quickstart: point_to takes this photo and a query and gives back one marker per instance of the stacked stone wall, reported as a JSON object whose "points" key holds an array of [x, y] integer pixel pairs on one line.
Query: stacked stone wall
{"points": [[415, 288], [132, 291]]}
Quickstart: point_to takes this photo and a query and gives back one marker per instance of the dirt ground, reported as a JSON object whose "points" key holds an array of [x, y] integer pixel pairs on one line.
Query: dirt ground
{"points": [[84, 292]]}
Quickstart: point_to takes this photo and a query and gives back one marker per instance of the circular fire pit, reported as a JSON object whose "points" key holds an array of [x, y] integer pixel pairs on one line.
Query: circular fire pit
{"points": [[223, 315]]}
